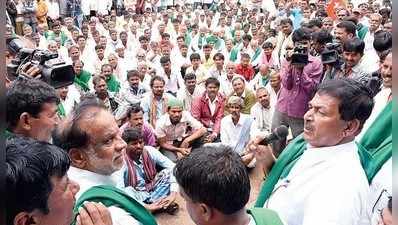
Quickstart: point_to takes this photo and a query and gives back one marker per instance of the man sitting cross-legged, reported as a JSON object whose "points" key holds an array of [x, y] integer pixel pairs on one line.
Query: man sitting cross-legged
{"points": [[177, 131], [157, 189], [94, 144]]}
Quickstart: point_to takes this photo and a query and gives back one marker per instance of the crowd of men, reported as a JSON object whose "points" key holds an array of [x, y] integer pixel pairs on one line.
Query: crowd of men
{"points": [[176, 97]]}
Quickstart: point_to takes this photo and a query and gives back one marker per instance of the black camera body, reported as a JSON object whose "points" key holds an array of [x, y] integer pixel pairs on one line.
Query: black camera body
{"points": [[331, 53], [300, 55], [54, 71]]}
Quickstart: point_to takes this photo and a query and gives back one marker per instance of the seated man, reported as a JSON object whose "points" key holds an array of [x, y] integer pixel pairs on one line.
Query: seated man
{"points": [[94, 144], [157, 189], [209, 109], [211, 198], [134, 91], [262, 114], [190, 91], [240, 90], [312, 169], [135, 119], [177, 131], [51, 195], [235, 130], [245, 69]]}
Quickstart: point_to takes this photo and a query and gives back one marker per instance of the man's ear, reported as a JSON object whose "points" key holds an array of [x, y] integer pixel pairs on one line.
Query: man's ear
{"points": [[353, 128], [78, 158], [25, 122], [25, 218], [206, 212]]}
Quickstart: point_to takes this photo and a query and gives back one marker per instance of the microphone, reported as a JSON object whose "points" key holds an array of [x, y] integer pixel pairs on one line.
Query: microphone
{"points": [[279, 133]]}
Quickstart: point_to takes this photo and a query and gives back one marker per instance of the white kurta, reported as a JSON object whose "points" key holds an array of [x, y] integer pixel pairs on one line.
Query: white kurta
{"points": [[326, 186]]}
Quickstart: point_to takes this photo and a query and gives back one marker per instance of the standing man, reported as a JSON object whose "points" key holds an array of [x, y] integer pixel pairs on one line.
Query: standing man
{"points": [[312, 169], [298, 84]]}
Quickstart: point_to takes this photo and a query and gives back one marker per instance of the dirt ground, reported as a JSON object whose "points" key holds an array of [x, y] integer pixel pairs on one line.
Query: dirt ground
{"points": [[182, 217]]}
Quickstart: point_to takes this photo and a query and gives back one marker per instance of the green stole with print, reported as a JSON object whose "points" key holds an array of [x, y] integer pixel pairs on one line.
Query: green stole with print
{"points": [[82, 80], [374, 149], [112, 196], [113, 84]]}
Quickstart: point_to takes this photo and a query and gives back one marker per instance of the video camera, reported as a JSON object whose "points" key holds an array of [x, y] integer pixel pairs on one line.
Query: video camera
{"points": [[331, 53], [54, 71], [300, 55]]}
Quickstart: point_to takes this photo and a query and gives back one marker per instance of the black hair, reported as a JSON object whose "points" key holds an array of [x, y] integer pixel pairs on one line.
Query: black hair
{"points": [[132, 73], [189, 76], [207, 46], [355, 98], [321, 13], [348, 26], [215, 176], [142, 38], [286, 21], [316, 22], [164, 35], [245, 55], [194, 56], [323, 37], [354, 45], [156, 78], [97, 47], [132, 134], [134, 108], [72, 135], [27, 95], [301, 34], [212, 80], [267, 44], [30, 164], [218, 55], [247, 37], [97, 79], [382, 41], [164, 59]]}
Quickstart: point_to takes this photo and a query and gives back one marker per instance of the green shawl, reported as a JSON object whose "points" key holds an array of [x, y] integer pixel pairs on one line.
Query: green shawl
{"points": [[113, 84], [112, 196], [234, 54], [256, 54], [82, 80], [377, 143], [264, 216], [374, 149]]}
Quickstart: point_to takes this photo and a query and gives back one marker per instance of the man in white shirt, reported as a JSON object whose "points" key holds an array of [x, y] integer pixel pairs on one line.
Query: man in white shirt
{"points": [[235, 130], [172, 77], [96, 156], [313, 170], [262, 114], [226, 80]]}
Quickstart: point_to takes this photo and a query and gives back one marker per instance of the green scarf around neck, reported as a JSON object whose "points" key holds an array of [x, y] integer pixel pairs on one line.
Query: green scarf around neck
{"points": [[82, 80], [112, 196], [113, 84]]}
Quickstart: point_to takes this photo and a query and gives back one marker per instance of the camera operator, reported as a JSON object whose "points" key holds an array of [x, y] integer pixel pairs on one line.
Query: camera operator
{"points": [[355, 66], [319, 41], [300, 74]]}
